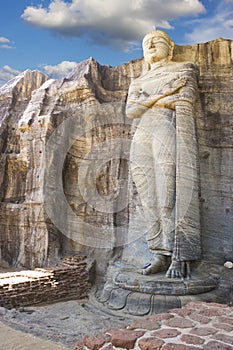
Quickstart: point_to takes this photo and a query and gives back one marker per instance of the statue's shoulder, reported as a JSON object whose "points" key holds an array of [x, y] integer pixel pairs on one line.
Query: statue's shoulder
{"points": [[185, 69], [184, 65]]}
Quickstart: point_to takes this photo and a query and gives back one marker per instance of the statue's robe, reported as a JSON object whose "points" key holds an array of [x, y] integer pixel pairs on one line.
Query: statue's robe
{"points": [[164, 158]]}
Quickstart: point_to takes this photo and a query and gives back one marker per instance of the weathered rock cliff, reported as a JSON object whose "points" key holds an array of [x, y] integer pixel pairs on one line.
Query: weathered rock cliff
{"points": [[92, 97], [15, 221]]}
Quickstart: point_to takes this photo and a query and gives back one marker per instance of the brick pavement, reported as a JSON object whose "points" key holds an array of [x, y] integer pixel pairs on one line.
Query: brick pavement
{"points": [[196, 326]]}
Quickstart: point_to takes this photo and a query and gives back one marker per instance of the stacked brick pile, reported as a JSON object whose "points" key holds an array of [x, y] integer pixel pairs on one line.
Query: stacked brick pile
{"points": [[45, 285], [196, 326], [73, 260]]}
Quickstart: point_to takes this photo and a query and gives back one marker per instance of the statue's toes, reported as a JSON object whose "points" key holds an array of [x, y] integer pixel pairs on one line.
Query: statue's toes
{"points": [[144, 271], [169, 274], [178, 274], [173, 273]]}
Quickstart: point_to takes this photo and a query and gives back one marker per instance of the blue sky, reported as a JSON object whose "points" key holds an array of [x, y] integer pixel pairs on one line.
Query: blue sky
{"points": [[53, 35]]}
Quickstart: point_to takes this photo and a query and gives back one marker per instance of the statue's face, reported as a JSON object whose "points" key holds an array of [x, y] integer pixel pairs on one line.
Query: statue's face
{"points": [[155, 47]]}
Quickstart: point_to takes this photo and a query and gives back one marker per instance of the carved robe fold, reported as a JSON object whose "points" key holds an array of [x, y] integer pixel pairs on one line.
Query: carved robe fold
{"points": [[164, 156]]}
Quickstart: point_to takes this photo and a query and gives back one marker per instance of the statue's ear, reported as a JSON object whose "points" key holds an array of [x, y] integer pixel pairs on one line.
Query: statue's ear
{"points": [[148, 66]]}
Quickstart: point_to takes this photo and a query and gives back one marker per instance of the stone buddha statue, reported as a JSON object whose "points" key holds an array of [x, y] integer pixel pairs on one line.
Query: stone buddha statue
{"points": [[163, 156]]}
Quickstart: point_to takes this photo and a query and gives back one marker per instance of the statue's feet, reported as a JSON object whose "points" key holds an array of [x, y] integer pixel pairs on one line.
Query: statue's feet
{"points": [[179, 269], [174, 270], [159, 264]]}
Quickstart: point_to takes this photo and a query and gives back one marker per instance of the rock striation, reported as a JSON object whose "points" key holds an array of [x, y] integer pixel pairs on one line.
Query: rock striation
{"points": [[14, 216], [93, 98]]}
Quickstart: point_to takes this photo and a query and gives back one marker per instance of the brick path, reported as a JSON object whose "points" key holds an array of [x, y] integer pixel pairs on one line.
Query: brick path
{"points": [[197, 325]]}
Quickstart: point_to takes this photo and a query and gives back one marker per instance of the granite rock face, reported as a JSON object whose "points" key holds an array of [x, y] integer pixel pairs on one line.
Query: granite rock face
{"points": [[93, 98]]}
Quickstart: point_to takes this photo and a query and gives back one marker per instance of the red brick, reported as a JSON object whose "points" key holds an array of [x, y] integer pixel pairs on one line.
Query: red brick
{"points": [[179, 322], [215, 345], [210, 312], [192, 339], [95, 342], [181, 312], [227, 320], [224, 326], [150, 343], [161, 317], [124, 338], [173, 346], [166, 333], [224, 338], [199, 318], [148, 324], [203, 331]]}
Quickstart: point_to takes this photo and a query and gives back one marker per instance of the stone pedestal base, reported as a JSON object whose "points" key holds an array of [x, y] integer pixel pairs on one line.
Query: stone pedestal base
{"points": [[158, 284], [140, 295]]}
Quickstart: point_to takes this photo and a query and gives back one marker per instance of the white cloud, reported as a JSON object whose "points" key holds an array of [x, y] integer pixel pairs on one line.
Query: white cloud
{"points": [[220, 25], [7, 73], [4, 40], [5, 46], [57, 71], [109, 22], [5, 43], [60, 70], [11, 70]]}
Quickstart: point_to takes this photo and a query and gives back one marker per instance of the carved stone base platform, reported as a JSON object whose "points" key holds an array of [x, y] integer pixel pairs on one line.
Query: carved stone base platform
{"points": [[159, 284], [141, 295]]}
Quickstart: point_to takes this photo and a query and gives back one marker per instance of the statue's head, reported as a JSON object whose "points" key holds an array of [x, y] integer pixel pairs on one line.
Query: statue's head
{"points": [[157, 46]]}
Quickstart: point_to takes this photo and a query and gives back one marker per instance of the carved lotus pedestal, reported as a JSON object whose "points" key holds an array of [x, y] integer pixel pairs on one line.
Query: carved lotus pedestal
{"points": [[139, 295]]}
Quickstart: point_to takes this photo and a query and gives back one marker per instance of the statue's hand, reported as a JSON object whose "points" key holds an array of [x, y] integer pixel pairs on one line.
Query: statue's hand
{"points": [[179, 269], [174, 86], [179, 83], [147, 100]]}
